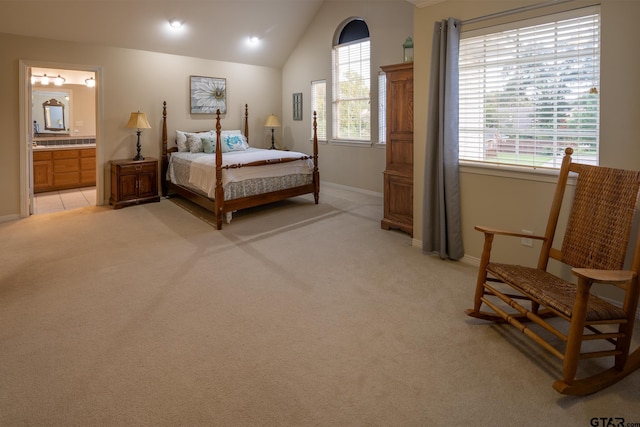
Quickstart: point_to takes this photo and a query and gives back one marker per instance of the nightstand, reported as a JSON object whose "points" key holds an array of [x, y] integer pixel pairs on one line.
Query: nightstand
{"points": [[134, 182]]}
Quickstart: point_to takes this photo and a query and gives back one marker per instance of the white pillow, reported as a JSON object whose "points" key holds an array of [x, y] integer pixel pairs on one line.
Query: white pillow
{"points": [[195, 143], [233, 142]]}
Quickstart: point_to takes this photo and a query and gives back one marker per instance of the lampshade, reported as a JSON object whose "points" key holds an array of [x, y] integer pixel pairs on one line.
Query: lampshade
{"points": [[138, 120], [272, 121]]}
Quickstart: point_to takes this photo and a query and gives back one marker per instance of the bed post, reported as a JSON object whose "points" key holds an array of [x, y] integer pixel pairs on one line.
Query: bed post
{"points": [[165, 159], [246, 122], [219, 193], [316, 174]]}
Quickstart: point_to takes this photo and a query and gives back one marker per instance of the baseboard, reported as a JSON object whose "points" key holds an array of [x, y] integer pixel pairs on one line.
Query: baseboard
{"points": [[346, 187], [6, 218]]}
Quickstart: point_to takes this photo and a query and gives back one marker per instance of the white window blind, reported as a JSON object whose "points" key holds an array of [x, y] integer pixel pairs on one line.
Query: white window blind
{"points": [[382, 108], [527, 93], [351, 92], [319, 105]]}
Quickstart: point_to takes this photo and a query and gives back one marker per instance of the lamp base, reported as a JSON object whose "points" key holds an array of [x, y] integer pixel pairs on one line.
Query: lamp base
{"points": [[273, 145], [138, 147]]}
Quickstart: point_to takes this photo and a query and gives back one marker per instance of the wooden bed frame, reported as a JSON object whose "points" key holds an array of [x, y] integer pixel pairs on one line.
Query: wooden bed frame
{"points": [[218, 205]]}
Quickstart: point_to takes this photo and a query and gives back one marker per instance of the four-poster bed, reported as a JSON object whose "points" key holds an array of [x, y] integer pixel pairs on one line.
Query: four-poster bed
{"points": [[243, 177]]}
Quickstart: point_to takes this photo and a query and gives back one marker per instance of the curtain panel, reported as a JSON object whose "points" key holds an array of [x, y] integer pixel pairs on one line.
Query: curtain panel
{"points": [[442, 229]]}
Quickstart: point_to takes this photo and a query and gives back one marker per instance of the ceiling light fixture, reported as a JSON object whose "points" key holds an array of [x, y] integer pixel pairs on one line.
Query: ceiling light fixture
{"points": [[254, 40], [176, 22]]}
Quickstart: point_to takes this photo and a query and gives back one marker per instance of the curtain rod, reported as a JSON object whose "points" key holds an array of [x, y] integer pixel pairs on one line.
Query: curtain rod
{"points": [[517, 10]]}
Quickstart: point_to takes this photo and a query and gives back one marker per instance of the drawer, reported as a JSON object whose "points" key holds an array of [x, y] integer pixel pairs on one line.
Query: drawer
{"points": [[88, 177], [88, 163], [66, 179], [139, 167], [66, 165], [66, 154], [88, 152], [42, 155]]}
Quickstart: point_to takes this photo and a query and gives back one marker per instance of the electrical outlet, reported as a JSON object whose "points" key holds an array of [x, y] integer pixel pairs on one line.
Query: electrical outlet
{"points": [[525, 241]]}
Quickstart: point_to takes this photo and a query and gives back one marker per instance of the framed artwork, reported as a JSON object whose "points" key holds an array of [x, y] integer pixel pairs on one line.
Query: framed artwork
{"points": [[208, 94], [297, 106]]}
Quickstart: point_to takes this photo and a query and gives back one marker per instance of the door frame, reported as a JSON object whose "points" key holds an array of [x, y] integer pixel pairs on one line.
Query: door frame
{"points": [[26, 129]]}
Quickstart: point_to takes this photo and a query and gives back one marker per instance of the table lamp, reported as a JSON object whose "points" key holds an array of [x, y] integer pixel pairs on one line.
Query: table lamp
{"points": [[138, 121], [272, 122]]}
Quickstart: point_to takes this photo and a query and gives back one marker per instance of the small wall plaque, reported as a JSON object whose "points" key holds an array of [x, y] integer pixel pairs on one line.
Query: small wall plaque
{"points": [[297, 106]]}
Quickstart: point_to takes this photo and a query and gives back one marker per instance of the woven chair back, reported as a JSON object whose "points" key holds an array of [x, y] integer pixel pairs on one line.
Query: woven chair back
{"points": [[601, 218]]}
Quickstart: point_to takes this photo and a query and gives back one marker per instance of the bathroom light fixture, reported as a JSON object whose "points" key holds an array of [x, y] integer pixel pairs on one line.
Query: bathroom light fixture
{"points": [[176, 22], [45, 80], [90, 82], [254, 39]]}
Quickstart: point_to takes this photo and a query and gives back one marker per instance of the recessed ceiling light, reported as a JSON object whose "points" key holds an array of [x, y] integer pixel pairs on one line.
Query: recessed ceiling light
{"points": [[176, 22], [254, 39]]}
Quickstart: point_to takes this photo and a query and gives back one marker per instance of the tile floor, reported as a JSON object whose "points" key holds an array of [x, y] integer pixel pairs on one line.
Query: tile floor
{"points": [[56, 201]]}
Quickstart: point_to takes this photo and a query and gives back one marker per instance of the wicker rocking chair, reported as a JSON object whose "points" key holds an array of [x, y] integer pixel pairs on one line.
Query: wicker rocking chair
{"points": [[566, 314]]}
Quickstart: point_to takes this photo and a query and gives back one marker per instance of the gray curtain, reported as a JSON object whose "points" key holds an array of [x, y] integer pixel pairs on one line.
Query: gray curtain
{"points": [[442, 230]]}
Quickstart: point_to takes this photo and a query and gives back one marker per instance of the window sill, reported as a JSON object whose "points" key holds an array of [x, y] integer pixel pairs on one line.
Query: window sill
{"points": [[512, 172], [351, 143]]}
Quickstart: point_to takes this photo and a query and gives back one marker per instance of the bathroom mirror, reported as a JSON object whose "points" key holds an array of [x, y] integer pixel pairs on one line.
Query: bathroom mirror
{"points": [[54, 115], [50, 112]]}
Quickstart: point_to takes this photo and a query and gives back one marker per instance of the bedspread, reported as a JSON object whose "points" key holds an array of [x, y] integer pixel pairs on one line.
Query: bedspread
{"points": [[202, 171]]}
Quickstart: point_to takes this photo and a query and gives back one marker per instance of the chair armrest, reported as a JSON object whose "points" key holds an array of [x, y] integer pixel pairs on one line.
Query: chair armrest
{"points": [[489, 230], [604, 276]]}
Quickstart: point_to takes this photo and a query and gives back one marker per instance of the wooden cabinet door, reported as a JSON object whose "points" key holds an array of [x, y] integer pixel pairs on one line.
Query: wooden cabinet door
{"points": [[42, 175], [147, 184], [128, 186]]}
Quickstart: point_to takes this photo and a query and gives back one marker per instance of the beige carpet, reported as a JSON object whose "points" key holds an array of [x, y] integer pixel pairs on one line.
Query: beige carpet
{"points": [[292, 315]]}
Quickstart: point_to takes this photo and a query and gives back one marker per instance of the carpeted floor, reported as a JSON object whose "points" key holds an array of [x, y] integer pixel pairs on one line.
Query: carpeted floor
{"points": [[294, 314]]}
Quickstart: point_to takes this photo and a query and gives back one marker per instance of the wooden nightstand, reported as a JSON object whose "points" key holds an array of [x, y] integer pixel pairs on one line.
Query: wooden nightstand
{"points": [[134, 182]]}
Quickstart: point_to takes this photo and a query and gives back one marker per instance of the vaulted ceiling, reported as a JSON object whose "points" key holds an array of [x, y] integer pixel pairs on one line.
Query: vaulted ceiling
{"points": [[212, 29]]}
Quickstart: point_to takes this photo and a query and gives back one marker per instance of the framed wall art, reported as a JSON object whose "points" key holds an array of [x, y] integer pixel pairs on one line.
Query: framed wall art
{"points": [[208, 94], [297, 106]]}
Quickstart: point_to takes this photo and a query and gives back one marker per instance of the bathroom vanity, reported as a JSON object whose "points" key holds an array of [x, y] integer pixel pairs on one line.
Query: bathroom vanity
{"points": [[63, 166]]}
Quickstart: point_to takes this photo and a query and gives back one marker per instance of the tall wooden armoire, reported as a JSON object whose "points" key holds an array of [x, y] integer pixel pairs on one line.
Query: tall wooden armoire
{"points": [[398, 174]]}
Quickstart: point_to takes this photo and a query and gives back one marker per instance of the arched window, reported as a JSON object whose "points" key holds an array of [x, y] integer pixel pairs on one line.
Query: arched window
{"points": [[352, 82]]}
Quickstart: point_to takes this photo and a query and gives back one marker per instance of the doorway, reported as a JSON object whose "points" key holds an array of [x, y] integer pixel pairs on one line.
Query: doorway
{"points": [[61, 148]]}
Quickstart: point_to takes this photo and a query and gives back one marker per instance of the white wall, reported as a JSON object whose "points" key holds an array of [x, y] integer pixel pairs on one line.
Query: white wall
{"points": [[390, 23], [129, 80]]}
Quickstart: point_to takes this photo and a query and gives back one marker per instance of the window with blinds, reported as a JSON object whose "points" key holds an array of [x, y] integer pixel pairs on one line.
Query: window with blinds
{"points": [[351, 92], [319, 105], [529, 89]]}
